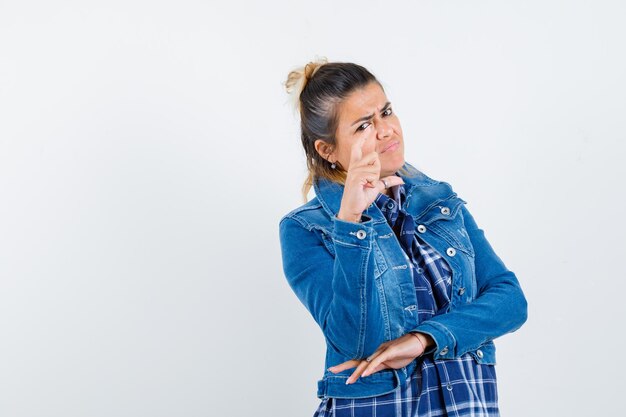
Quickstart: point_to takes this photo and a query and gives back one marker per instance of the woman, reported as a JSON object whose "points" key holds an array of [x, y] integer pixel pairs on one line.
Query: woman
{"points": [[392, 266]]}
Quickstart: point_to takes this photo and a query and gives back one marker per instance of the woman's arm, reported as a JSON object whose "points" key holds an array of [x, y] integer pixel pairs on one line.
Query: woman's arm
{"points": [[499, 308], [337, 290]]}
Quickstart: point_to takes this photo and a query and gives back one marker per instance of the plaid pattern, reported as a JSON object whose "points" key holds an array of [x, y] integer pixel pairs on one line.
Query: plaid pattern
{"points": [[447, 387]]}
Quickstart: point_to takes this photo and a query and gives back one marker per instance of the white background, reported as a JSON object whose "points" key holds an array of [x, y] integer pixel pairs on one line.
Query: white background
{"points": [[148, 151]]}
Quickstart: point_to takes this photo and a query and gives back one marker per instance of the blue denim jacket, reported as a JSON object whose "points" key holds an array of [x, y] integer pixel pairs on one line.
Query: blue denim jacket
{"points": [[355, 280]]}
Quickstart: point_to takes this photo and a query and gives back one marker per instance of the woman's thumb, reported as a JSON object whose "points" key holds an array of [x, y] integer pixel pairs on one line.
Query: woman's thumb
{"points": [[392, 180]]}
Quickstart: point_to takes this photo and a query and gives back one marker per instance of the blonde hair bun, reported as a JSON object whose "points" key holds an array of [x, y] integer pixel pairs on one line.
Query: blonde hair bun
{"points": [[299, 77]]}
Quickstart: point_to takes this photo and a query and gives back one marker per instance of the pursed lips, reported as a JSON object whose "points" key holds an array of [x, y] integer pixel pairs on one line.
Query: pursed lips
{"points": [[389, 145]]}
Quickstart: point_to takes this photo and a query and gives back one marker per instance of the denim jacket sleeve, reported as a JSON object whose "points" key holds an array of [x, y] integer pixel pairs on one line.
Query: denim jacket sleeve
{"points": [[500, 306], [337, 289]]}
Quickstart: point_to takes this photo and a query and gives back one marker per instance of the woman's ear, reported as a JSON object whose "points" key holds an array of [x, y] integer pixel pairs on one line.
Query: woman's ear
{"points": [[324, 149]]}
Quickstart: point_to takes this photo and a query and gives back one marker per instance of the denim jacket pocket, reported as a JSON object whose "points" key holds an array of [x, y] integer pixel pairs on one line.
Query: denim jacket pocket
{"points": [[446, 220], [380, 265]]}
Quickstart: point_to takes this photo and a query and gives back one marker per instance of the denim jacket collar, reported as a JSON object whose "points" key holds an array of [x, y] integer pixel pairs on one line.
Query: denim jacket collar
{"points": [[330, 193]]}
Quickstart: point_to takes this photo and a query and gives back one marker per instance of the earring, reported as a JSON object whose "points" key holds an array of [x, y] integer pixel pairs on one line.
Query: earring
{"points": [[332, 164]]}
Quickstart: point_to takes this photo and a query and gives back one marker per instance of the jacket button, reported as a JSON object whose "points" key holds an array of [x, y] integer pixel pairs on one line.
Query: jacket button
{"points": [[421, 228], [451, 251], [461, 290], [449, 386], [479, 353], [445, 210], [361, 234], [444, 351]]}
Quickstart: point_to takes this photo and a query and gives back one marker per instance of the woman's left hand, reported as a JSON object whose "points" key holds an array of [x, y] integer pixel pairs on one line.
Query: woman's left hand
{"points": [[392, 354]]}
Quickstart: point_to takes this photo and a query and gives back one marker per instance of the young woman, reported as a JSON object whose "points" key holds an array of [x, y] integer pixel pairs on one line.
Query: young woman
{"points": [[406, 289]]}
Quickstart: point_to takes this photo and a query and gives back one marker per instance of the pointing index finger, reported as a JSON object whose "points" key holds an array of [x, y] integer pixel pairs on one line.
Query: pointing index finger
{"points": [[356, 152]]}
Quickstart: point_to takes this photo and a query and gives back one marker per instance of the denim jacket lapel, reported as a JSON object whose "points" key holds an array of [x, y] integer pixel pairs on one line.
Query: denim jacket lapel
{"points": [[330, 193]]}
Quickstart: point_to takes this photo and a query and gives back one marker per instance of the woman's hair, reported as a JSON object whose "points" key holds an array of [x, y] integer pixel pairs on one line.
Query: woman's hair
{"points": [[316, 90]]}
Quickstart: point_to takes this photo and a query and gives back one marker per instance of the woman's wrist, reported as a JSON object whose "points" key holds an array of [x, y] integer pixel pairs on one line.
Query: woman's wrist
{"points": [[425, 339], [354, 218]]}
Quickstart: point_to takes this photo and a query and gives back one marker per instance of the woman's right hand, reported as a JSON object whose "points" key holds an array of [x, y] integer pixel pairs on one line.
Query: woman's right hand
{"points": [[362, 182]]}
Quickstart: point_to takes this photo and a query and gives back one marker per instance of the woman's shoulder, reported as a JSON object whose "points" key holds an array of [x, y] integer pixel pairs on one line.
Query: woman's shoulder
{"points": [[416, 176], [426, 192], [308, 214]]}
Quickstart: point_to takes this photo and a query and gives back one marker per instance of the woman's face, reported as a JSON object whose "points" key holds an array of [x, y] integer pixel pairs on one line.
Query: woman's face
{"points": [[367, 112]]}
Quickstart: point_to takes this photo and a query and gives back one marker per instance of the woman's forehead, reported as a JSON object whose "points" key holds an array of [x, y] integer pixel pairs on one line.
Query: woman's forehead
{"points": [[362, 102]]}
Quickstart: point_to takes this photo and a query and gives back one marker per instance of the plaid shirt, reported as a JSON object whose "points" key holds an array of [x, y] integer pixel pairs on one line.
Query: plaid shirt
{"points": [[448, 387]]}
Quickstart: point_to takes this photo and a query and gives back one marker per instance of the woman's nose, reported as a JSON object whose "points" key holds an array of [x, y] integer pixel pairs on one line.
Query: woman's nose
{"points": [[383, 129]]}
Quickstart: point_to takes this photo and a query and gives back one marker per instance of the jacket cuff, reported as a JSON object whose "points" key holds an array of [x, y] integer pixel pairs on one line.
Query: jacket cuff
{"points": [[354, 234], [445, 344]]}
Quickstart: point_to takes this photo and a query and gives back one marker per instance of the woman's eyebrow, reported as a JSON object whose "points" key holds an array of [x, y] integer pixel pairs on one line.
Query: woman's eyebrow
{"points": [[364, 118]]}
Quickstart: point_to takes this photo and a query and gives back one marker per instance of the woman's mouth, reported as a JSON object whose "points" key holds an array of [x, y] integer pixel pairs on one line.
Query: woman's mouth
{"points": [[391, 147]]}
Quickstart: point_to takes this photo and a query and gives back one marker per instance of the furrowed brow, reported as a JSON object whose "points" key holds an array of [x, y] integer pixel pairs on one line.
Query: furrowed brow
{"points": [[369, 116]]}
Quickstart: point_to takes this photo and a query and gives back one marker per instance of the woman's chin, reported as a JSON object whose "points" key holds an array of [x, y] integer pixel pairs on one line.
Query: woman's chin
{"points": [[392, 167], [390, 170]]}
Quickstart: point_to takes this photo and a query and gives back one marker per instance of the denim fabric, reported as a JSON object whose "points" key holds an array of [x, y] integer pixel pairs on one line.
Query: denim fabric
{"points": [[356, 281], [473, 395], [443, 387], [431, 272]]}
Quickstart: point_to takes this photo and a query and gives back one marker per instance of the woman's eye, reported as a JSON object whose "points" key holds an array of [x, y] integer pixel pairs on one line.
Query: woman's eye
{"points": [[362, 126]]}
